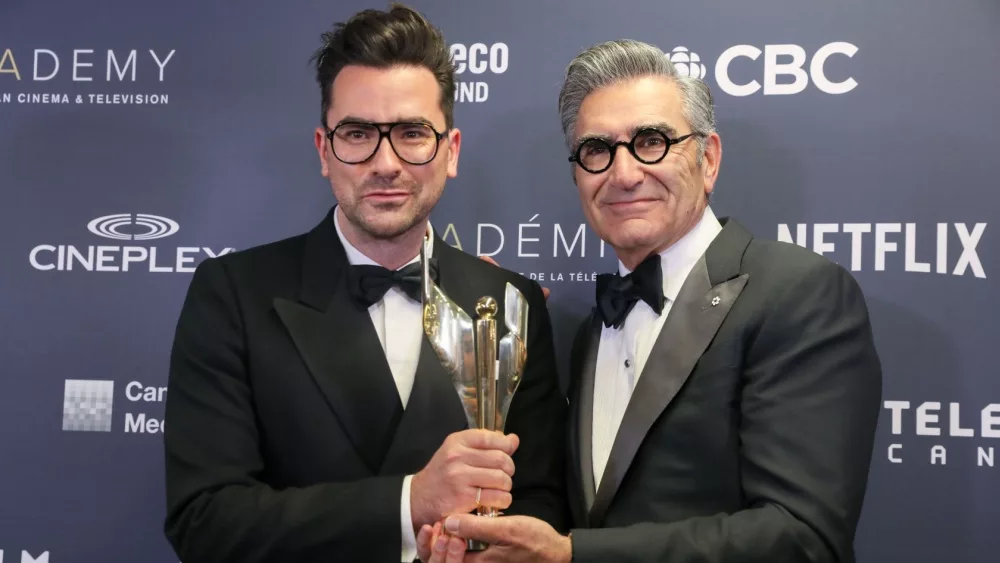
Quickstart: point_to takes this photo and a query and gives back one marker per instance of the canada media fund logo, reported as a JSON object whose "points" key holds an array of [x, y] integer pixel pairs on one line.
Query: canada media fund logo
{"points": [[83, 76], [88, 406], [137, 228], [473, 64]]}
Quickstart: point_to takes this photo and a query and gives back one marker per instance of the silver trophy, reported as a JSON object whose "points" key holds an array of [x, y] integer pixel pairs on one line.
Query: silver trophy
{"points": [[484, 377]]}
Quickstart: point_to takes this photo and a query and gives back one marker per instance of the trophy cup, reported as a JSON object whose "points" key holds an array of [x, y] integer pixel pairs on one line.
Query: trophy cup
{"points": [[484, 378]]}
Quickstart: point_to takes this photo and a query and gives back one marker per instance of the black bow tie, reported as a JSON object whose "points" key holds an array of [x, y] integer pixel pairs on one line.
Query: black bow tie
{"points": [[368, 284], [616, 295]]}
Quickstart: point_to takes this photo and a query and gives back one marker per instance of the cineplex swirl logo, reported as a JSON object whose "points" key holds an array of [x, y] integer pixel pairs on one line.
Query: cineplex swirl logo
{"points": [[110, 226], [136, 228]]}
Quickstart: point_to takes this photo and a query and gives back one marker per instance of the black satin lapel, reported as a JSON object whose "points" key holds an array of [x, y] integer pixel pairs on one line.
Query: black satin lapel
{"points": [[585, 424], [432, 412], [691, 324], [574, 481], [342, 352]]}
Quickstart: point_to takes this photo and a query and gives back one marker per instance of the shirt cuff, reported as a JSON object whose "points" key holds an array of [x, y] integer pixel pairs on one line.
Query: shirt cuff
{"points": [[406, 522]]}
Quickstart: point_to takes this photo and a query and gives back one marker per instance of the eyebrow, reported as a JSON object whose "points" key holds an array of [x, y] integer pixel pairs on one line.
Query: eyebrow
{"points": [[401, 119], [661, 126]]}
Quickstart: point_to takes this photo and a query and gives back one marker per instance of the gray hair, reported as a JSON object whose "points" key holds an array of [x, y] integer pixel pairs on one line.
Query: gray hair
{"points": [[625, 59]]}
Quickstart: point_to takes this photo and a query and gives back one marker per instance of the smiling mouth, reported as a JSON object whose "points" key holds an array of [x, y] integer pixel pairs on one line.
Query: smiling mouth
{"points": [[629, 203]]}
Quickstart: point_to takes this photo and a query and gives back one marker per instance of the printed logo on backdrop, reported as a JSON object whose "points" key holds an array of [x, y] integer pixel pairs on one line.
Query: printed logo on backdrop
{"points": [[939, 433], [534, 239], [26, 557], [475, 66], [88, 406], [85, 76], [944, 248], [783, 69], [136, 228], [687, 63]]}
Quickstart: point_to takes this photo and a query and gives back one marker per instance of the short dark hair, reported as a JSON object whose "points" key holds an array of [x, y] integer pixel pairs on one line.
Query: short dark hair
{"points": [[373, 38]]}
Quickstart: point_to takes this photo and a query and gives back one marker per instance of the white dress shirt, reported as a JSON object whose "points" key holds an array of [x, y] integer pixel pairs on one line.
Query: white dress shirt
{"points": [[401, 341], [622, 352]]}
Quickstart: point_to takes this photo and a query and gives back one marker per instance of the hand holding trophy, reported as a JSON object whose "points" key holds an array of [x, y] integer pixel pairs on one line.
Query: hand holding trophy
{"points": [[484, 376]]}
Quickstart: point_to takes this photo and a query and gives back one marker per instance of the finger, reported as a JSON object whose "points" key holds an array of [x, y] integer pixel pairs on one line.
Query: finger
{"points": [[440, 551], [424, 541], [489, 530], [488, 479], [456, 550], [495, 499], [545, 293], [438, 532], [516, 439], [488, 259], [489, 459], [488, 440]]}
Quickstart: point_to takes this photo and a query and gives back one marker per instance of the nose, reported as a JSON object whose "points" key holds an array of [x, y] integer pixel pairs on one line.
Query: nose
{"points": [[385, 162], [626, 172]]}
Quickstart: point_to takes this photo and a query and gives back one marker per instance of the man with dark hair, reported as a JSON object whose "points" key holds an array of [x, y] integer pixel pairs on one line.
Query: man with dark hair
{"points": [[309, 418]]}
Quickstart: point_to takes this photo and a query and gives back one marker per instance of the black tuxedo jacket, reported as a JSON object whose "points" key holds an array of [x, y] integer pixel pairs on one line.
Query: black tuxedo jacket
{"points": [[749, 434], [286, 440]]}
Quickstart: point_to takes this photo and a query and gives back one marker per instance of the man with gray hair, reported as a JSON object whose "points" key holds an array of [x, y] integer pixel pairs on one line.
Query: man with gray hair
{"points": [[725, 390]]}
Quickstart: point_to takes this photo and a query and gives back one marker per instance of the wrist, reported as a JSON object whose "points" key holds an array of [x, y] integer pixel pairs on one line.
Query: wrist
{"points": [[565, 548], [418, 507]]}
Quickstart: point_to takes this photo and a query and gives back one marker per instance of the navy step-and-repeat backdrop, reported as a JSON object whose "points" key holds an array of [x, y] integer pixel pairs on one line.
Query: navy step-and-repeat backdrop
{"points": [[138, 138]]}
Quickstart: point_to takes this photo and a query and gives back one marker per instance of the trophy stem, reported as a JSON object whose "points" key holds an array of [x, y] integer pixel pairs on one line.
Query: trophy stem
{"points": [[486, 385], [475, 545], [486, 358]]}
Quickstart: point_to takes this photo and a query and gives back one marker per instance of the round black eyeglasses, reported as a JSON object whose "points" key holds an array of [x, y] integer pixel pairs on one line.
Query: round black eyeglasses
{"points": [[648, 146]]}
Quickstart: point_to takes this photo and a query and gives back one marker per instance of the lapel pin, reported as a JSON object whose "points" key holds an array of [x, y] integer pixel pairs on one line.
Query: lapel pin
{"points": [[716, 300]]}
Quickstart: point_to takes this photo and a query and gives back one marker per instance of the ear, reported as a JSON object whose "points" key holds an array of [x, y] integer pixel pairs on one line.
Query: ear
{"points": [[712, 160], [454, 143], [323, 150]]}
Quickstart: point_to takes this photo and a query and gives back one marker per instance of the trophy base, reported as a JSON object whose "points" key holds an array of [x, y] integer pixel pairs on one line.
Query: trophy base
{"points": [[471, 545], [475, 545]]}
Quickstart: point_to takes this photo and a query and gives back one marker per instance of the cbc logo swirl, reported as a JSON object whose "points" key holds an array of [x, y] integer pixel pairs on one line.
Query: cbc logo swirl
{"points": [[687, 63], [785, 68], [109, 226], [135, 228]]}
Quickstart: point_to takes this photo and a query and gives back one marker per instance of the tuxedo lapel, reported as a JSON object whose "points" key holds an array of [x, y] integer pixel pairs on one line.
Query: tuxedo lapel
{"points": [[432, 413], [339, 346], [582, 419], [692, 322]]}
